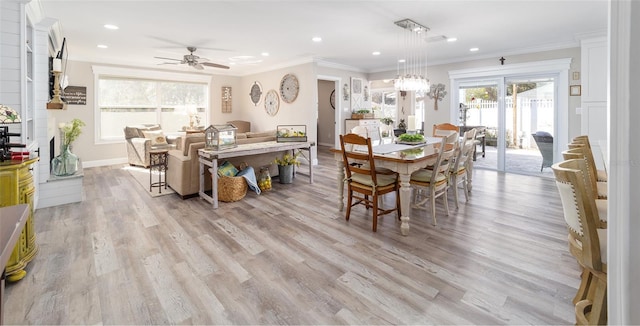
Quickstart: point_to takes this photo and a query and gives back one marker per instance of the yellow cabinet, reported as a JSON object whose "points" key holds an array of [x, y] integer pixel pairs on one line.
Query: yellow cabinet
{"points": [[16, 187]]}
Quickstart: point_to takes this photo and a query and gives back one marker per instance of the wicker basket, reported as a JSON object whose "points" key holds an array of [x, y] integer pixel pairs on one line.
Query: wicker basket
{"points": [[232, 189]]}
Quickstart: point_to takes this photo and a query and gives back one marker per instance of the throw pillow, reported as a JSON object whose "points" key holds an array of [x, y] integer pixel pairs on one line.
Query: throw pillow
{"points": [[157, 137], [227, 169]]}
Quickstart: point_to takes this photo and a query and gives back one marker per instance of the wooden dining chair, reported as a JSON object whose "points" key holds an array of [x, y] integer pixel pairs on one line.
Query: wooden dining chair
{"points": [[458, 173], [601, 204], [601, 175], [587, 242], [363, 183], [585, 151], [432, 182], [444, 129]]}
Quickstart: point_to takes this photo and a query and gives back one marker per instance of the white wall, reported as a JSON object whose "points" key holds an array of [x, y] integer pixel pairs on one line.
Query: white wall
{"points": [[440, 74]]}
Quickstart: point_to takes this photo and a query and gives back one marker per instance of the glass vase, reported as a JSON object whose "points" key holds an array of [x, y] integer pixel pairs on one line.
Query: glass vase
{"points": [[66, 163]]}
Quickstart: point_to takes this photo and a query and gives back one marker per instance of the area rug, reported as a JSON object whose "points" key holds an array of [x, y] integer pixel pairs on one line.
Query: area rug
{"points": [[142, 177]]}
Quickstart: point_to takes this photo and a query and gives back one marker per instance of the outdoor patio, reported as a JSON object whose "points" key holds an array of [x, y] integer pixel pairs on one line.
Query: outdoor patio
{"points": [[521, 161]]}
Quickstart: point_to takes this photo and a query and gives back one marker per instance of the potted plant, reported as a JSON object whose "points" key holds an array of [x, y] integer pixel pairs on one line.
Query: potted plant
{"points": [[67, 163], [387, 121], [285, 166], [361, 114]]}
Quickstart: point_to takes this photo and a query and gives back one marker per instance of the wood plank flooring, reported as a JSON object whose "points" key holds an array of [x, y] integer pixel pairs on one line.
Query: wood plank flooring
{"points": [[289, 257]]}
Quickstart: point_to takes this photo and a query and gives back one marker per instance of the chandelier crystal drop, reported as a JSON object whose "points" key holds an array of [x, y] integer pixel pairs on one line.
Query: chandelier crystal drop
{"points": [[412, 77]]}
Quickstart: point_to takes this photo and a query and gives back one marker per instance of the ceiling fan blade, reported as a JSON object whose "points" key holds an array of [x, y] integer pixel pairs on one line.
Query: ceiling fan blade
{"points": [[169, 63], [215, 65], [198, 66], [163, 58]]}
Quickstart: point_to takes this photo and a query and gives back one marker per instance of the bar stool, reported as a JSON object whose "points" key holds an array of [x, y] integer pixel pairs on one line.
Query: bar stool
{"points": [[158, 162]]}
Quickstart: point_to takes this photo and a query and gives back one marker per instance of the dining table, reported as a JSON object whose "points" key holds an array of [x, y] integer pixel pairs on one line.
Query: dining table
{"points": [[401, 158]]}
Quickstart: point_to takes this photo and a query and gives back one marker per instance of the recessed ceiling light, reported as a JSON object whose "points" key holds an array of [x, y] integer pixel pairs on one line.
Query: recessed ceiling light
{"points": [[265, 54], [402, 60], [109, 26], [376, 53], [474, 49], [317, 39], [452, 39], [102, 46]]}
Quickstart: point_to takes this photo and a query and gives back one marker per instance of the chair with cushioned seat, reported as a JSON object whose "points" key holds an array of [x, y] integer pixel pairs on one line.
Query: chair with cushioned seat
{"points": [[362, 179], [140, 139], [432, 182], [600, 187], [587, 242], [601, 175]]}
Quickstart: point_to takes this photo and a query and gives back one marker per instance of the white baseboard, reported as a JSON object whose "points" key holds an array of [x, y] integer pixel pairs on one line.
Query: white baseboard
{"points": [[114, 161]]}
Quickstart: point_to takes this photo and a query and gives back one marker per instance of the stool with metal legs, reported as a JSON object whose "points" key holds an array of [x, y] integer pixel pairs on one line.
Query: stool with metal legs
{"points": [[158, 162]]}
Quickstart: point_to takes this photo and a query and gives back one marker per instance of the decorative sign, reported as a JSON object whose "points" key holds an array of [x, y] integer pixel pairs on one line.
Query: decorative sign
{"points": [[76, 95], [226, 99]]}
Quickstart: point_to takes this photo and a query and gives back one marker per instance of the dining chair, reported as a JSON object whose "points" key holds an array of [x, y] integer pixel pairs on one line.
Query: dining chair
{"points": [[432, 182], [362, 179], [585, 151], [601, 175], [458, 173], [444, 129], [470, 137], [587, 242], [601, 204]]}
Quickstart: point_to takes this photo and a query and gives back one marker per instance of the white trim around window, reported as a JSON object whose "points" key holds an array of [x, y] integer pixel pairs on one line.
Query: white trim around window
{"points": [[121, 72]]}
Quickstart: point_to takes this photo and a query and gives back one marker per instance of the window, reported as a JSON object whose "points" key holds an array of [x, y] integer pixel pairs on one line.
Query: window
{"points": [[127, 98], [384, 103]]}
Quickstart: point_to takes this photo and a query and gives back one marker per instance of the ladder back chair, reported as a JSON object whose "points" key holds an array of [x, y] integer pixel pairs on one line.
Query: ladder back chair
{"points": [[362, 179], [587, 243], [432, 182], [459, 174], [444, 129]]}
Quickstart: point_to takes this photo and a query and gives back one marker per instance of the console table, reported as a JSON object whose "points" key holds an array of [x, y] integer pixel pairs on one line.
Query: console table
{"points": [[210, 158]]}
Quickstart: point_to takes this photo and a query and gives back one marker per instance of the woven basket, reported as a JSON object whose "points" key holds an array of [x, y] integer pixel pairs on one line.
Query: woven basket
{"points": [[232, 189]]}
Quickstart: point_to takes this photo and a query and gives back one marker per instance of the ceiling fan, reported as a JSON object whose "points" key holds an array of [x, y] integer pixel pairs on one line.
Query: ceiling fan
{"points": [[193, 60]]}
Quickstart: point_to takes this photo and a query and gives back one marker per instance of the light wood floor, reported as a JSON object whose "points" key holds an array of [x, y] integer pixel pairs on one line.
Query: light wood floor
{"points": [[288, 257]]}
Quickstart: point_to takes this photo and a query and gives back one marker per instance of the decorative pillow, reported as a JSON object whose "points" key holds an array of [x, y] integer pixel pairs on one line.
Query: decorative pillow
{"points": [[227, 169], [157, 137]]}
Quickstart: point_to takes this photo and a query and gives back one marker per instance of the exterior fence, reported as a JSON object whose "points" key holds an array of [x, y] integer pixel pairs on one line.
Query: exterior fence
{"points": [[531, 115]]}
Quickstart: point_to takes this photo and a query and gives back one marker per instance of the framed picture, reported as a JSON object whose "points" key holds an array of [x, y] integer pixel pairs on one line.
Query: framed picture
{"points": [[356, 86], [575, 90], [576, 75], [226, 99]]}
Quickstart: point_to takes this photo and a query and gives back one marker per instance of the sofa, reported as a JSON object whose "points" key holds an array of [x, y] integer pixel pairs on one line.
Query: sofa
{"points": [[140, 139], [184, 167]]}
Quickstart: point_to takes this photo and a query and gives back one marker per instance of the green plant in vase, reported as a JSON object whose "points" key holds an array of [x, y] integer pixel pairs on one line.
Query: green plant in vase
{"points": [[285, 166], [67, 163]]}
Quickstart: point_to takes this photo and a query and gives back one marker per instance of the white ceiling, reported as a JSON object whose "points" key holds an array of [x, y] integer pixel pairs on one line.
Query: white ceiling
{"points": [[350, 30]]}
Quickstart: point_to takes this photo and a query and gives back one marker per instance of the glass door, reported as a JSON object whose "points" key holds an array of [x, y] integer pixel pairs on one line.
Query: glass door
{"points": [[510, 120], [529, 109], [480, 106]]}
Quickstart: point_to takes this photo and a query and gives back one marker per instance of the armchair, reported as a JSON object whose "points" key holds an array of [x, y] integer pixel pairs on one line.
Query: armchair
{"points": [[138, 146]]}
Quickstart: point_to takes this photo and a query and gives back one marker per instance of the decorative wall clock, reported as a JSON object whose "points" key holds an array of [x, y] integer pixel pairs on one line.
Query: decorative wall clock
{"points": [[255, 93], [271, 102], [332, 99], [289, 88]]}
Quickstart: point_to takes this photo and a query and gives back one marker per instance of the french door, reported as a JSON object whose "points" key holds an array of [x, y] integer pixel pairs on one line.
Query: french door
{"points": [[511, 109]]}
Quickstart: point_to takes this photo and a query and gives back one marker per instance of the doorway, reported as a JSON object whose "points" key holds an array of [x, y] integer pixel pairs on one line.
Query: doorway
{"points": [[513, 103]]}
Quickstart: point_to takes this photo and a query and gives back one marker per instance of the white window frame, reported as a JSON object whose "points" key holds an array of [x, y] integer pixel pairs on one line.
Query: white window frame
{"points": [[119, 72]]}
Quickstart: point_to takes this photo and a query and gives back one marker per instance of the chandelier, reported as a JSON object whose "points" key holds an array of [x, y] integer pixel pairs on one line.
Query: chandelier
{"points": [[411, 77]]}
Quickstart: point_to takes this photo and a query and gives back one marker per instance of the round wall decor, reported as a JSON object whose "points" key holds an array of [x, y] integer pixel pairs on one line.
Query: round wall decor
{"points": [[271, 102], [332, 99], [289, 88], [255, 93]]}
